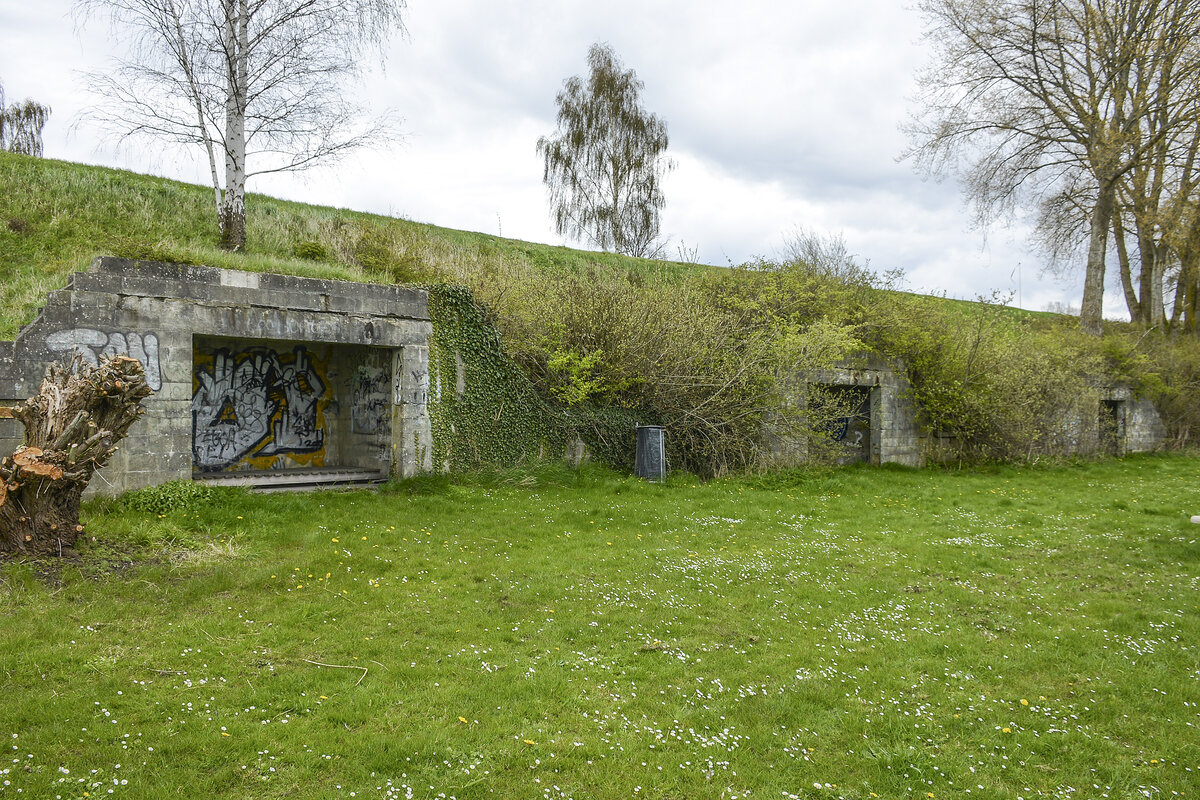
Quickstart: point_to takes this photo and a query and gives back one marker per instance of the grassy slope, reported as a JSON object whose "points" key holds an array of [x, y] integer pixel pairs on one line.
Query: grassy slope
{"points": [[55, 217], [855, 634]]}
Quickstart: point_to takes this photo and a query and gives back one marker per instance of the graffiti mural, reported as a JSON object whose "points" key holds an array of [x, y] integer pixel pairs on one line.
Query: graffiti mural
{"points": [[252, 406], [91, 344], [369, 403]]}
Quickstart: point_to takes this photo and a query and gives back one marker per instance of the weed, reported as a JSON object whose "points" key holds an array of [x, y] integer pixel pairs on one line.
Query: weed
{"points": [[179, 495]]}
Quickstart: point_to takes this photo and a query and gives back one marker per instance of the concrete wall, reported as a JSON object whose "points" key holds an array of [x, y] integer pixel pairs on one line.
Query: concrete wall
{"points": [[894, 435], [1100, 420], [175, 319]]}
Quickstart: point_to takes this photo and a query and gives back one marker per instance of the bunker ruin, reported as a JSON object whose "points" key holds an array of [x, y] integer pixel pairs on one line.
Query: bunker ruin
{"points": [[256, 376]]}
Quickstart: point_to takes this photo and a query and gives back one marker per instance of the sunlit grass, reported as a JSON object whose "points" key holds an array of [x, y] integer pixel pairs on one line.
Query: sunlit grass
{"points": [[852, 634]]}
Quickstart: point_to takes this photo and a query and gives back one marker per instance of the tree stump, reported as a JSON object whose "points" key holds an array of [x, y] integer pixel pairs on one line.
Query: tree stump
{"points": [[72, 427]]}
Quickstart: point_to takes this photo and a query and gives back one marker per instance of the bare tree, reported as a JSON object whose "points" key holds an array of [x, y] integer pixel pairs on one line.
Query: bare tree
{"points": [[604, 166], [1046, 98], [21, 126], [258, 84]]}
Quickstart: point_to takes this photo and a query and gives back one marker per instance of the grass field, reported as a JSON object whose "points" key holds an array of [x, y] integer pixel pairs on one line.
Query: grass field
{"points": [[858, 633]]}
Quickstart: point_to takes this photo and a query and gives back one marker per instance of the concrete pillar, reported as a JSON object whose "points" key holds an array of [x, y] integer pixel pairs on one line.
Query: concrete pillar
{"points": [[412, 434]]}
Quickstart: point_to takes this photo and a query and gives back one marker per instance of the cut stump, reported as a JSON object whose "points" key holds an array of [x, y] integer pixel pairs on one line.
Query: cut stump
{"points": [[72, 427]]}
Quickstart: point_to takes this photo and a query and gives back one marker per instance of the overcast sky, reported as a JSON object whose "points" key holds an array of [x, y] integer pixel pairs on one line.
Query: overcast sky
{"points": [[781, 115]]}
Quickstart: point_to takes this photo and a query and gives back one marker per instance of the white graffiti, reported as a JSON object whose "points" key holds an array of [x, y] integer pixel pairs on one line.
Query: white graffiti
{"points": [[252, 403], [90, 344]]}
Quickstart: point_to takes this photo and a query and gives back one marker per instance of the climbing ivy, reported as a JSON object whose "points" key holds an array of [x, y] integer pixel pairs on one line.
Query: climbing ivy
{"points": [[485, 410]]}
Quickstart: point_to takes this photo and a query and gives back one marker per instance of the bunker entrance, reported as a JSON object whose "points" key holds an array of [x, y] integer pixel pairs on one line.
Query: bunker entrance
{"points": [[284, 408], [843, 415], [1112, 427]]}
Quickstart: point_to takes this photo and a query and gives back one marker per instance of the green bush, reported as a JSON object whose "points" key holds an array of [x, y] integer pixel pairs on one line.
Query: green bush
{"points": [[990, 386], [312, 250]]}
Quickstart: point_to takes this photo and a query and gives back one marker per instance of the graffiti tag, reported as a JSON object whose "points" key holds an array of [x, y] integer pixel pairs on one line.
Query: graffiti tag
{"points": [[369, 406], [90, 344], [255, 403]]}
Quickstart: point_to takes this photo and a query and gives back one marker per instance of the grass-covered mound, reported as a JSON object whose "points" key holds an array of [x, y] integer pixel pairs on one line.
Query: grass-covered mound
{"points": [[853, 634], [608, 341], [56, 216]]}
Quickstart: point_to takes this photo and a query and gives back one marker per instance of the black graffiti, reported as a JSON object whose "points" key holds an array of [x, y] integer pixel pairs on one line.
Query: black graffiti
{"points": [[369, 408]]}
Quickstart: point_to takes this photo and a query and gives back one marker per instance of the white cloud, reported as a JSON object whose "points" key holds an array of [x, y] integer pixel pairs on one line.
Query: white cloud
{"points": [[780, 114]]}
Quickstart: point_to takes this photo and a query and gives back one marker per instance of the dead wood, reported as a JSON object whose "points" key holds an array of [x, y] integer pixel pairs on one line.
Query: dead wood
{"points": [[72, 427]]}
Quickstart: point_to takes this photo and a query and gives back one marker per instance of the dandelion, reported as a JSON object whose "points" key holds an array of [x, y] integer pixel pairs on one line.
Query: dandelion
{"points": [[463, 720], [1024, 702], [1008, 730]]}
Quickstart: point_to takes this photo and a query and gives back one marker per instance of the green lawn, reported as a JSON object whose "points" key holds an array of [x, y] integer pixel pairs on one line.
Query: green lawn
{"points": [[859, 633]]}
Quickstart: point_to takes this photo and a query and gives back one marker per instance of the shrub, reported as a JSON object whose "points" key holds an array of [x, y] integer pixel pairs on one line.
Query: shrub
{"points": [[988, 385], [311, 250]]}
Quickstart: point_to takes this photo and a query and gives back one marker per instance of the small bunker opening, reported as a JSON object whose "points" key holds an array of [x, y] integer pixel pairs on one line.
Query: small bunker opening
{"points": [[1112, 427], [842, 414]]}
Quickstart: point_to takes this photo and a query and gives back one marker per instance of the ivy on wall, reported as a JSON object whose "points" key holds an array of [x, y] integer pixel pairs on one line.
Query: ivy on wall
{"points": [[486, 412], [483, 409]]}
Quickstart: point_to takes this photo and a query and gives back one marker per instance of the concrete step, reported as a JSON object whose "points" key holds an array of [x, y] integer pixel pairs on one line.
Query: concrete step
{"points": [[296, 480]]}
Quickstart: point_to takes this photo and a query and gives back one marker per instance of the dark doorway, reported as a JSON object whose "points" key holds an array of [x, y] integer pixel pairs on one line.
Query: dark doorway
{"points": [[1112, 427], [843, 415]]}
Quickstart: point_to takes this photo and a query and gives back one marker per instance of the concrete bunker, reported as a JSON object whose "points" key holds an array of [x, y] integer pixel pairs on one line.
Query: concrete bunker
{"points": [[260, 378], [257, 377], [862, 412]]}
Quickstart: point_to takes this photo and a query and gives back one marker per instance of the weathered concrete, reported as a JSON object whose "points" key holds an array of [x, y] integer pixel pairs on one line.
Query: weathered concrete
{"points": [[1101, 420], [886, 433], [250, 371]]}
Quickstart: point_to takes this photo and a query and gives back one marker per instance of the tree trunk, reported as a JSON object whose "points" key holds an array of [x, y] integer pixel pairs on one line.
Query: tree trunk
{"points": [[1187, 297], [1131, 298], [71, 430], [1150, 278], [1091, 315], [233, 208]]}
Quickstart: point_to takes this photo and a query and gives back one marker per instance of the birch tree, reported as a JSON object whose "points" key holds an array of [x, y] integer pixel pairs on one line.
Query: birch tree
{"points": [[1055, 99], [604, 165], [21, 126], [258, 85]]}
